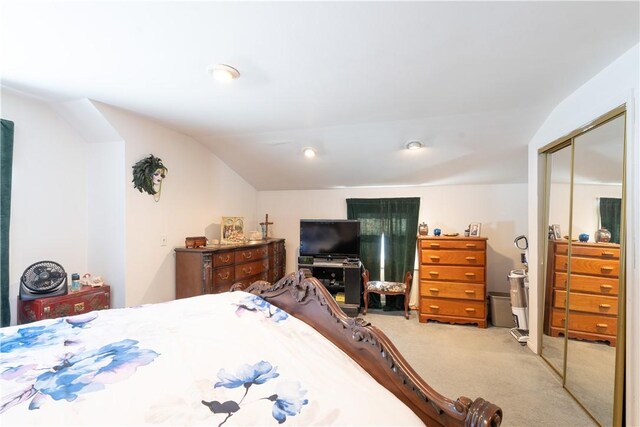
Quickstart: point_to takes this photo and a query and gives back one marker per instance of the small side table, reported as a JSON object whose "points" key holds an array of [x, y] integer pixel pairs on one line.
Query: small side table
{"points": [[83, 301]]}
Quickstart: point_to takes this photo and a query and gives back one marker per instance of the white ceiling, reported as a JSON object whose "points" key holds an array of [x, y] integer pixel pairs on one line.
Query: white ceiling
{"points": [[356, 80]]}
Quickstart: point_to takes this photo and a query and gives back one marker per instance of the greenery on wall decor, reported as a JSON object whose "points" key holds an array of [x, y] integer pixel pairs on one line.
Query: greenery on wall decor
{"points": [[148, 174]]}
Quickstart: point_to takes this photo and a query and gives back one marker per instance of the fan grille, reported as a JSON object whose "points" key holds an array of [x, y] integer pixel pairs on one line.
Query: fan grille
{"points": [[43, 277]]}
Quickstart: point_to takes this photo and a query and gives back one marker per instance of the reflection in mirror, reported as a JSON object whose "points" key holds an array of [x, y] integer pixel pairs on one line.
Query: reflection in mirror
{"points": [[595, 268], [558, 205]]}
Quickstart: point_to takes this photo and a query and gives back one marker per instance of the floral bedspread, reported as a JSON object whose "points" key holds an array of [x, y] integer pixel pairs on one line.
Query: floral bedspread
{"points": [[214, 360]]}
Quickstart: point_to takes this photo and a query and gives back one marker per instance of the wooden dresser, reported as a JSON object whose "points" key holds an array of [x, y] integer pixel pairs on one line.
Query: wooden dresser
{"points": [[594, 284], [83, 301], [277, 260], [453, 283], [214, 269]]}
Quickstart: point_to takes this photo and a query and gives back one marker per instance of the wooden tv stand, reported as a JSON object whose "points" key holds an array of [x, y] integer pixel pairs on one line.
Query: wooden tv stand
{"points": [[338, 275]]}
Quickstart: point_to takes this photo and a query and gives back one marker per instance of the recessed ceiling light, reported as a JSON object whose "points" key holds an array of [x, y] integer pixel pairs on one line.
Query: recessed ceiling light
{"points": [[414, 145], [309, 152], [224, 73]]}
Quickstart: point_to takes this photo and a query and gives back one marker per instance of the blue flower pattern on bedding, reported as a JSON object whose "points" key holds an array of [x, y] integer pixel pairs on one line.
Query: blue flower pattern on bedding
{"points": [[75, 372], [288, 399], [254, 303]]}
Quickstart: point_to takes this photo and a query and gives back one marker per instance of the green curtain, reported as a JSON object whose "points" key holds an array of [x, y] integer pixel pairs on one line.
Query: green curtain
{"points": [[397, 219], [610, 215], [6, 160]]}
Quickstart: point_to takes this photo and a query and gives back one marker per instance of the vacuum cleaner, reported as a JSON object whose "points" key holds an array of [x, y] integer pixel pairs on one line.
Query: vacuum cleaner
{"points": [[519, 291]]}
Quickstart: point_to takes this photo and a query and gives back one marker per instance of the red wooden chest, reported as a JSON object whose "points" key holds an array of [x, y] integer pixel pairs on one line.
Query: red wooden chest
{"points": [[83, 301]]}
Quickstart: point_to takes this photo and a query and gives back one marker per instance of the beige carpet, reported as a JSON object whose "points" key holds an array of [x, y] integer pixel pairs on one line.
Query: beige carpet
{"points": [[462, 360]]}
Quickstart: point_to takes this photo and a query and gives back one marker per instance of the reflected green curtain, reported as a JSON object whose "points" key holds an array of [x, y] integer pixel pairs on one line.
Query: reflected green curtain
{"points": [[397, 219], [6, 161], [610, 216]]}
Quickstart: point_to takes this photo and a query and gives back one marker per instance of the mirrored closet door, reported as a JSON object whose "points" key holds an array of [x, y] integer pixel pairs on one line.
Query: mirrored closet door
{"points": [[583, 319]]}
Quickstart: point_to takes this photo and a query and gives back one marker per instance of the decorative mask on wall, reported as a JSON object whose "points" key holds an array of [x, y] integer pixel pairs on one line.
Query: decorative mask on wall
{"points": [[148, 174]]}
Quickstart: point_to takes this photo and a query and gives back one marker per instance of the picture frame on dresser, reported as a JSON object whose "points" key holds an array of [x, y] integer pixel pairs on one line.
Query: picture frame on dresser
{"points": [[474, 229], [232, 229], [557, 234]]}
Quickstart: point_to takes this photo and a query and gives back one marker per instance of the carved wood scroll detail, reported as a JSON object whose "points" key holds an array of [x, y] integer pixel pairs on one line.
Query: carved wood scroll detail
{"points": [[307, 299]]}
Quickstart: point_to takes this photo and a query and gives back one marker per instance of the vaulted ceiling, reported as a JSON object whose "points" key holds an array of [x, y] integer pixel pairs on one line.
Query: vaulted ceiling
{"points": [[472, 81]]}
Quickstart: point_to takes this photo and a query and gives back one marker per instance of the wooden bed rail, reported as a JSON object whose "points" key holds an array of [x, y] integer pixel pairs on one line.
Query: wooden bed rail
{"points": [[307, 299]]}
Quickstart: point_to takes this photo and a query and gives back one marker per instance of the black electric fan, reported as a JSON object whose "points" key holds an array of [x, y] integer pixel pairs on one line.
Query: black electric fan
{"points": [[43, 279]]}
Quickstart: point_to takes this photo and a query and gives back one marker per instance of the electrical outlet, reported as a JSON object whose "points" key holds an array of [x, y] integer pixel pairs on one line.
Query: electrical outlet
{"points": [[163, 240]]}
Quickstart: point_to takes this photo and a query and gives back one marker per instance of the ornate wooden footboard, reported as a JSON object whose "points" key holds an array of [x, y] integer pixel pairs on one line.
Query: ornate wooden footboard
{"points": [[306, 299]]}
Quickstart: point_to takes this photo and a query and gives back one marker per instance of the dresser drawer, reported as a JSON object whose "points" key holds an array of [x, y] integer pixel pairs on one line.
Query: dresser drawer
{"points": [[246, 281], [589, 265], [593, 284], [444, 307], [244, 255], [466, 291], [223, 258], [435, 256], [453, 244], [587, 303], [223, 278], [452, 273], [586, 322], [605, 252], [249, 269]]}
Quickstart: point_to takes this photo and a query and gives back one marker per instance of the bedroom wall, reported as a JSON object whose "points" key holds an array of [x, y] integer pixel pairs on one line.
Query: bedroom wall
{"points": [[49, 190], [198, 190], [615, 85], [73, 201], [501, 209]]}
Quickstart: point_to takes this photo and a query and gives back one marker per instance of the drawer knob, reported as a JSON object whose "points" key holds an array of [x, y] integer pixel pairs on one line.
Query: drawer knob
{"points": [[606, 287], [435, 245], [435, 257], [434, 273], [434, 307], [247, 255], [470, 274], [469, 291], [226, 259], [607, 253], [470, 258], [79, 307], [605, 306], [602, 325], [470, 310], [223, 276], [246, 270], [606, 269], [470, 245], [435, 290]]}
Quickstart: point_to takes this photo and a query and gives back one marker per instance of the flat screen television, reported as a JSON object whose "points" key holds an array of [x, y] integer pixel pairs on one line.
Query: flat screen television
{"points": [[330, 238]]}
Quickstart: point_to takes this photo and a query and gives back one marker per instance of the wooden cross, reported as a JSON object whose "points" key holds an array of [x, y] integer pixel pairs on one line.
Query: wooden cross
{"points": [[266, 226]]}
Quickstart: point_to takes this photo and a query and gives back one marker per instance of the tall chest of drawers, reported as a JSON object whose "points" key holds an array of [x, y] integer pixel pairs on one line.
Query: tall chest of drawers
{"points": [[592, 290], [453, 283], [212, 270]]}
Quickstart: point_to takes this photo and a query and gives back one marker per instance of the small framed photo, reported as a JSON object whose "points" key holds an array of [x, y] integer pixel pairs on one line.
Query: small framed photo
{"points": [[474, 229], [423, 229], [232, 229], [557, 234]]}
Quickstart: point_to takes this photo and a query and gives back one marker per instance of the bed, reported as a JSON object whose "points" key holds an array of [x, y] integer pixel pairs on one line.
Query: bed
{"points": [[266, 355]]}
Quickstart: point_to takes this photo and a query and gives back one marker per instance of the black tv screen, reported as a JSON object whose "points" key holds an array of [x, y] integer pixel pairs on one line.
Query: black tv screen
{"points": [[330, 238]]}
